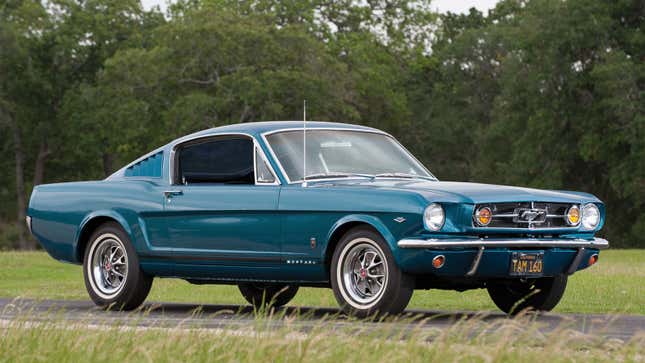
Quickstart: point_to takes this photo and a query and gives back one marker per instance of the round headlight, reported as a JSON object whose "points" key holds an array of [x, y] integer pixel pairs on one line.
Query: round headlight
{"points": [[434, 217], [590, 216], [573, 215], [483, 216]]}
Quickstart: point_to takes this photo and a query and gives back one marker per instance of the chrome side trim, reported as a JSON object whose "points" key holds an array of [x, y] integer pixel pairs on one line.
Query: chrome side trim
{"points": [[513, 243], [373, 131]]}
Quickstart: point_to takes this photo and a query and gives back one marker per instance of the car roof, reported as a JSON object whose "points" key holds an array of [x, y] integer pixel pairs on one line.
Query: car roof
{"points": [[255, 129], [258, 128]]}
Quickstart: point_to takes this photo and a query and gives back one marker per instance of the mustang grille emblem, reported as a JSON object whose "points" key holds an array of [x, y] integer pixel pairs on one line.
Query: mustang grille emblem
{"points": [[530, 215]]}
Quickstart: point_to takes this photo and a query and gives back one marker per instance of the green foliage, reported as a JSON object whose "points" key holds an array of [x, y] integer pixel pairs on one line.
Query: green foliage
{"points": [[9, 236], [541, 93], [547, 95]]}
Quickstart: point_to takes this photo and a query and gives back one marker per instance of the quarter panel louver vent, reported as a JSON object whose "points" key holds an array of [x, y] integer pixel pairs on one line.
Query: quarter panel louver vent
{"points": [[148, 167]]}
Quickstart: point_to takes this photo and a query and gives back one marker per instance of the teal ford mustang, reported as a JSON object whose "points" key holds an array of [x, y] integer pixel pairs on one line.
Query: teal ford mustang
{"points": [[273, 206]]}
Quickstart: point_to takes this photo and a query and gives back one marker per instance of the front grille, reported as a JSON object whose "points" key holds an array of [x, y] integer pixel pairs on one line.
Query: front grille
{"points": [[526, 215]]}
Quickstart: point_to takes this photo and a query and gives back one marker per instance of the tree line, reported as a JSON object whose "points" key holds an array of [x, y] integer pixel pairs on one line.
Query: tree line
{"points": [[539, 93]]}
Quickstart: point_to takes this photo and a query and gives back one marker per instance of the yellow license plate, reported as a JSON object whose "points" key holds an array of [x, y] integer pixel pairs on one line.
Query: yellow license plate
{"points": [[527, 264]]}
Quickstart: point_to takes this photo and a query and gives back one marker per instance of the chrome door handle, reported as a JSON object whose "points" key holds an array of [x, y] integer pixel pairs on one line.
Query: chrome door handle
{"points": [[170, 193]]}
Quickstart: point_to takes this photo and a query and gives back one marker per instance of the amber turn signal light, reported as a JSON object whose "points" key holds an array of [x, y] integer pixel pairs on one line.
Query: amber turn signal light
{"points": [[438, 261], [483, 216], [573, 215], [593, 259]]}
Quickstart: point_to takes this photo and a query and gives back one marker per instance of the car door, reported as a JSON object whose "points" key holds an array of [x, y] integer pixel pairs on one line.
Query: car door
{"points": [[220, 210]]}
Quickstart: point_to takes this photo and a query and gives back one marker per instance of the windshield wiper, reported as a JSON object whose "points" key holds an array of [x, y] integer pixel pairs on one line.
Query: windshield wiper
{"points": [[403, 175], [338, 175]]}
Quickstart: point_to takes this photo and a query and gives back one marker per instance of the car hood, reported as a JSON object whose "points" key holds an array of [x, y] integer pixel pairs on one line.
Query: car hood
{"points": [[460, 192]]}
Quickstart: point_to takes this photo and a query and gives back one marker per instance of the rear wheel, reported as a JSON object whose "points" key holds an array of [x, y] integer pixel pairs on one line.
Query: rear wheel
{"points": [[113, 277], [260, 295], [541, 294], [365, 277]]}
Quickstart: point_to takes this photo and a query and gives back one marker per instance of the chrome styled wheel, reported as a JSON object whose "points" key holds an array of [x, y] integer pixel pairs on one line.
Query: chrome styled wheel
{"points": [[113, 275], [108, 269], [363, 273], [365, 277]]}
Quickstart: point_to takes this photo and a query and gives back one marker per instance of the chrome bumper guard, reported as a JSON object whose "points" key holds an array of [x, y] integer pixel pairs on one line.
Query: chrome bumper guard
{"points": [[502, 243], [483, 243], [28, 222]]}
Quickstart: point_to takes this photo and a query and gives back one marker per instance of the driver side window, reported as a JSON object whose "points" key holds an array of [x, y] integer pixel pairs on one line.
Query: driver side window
{"points": [[218, 160]]}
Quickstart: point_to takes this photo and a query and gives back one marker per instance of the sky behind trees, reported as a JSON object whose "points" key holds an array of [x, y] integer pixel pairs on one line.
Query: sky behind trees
{"points": [[442, 6]]}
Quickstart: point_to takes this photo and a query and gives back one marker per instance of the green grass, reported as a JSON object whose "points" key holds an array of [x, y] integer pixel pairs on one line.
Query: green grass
{"points": [[513, 341], [614, 285]]}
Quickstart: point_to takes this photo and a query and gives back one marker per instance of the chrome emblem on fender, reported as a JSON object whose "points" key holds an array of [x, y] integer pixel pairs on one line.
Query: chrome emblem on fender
{"points": [[399, 219]]}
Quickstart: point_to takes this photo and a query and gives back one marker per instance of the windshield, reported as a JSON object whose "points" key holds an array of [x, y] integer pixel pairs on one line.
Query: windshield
{"points": [[343, 153]]}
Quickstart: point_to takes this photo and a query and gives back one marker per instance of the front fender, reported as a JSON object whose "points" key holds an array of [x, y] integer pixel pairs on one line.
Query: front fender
{"points": [[373, 221]]}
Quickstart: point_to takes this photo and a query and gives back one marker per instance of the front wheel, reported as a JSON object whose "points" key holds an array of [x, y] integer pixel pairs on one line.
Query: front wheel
{"points": [[365, 277], [111, 270], [541, 294]]}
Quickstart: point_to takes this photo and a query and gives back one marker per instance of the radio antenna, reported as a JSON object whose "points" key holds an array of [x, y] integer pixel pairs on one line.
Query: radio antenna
{"points": [[304, 143]]}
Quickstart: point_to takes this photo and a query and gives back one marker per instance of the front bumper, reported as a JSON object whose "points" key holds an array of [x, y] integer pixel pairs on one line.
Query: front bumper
{"points": [[597, 243], [488, 258]]}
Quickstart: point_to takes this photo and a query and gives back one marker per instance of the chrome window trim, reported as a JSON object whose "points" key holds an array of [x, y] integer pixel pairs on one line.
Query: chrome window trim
{"points": [[258, 150], [373, 131], [256, 147]]}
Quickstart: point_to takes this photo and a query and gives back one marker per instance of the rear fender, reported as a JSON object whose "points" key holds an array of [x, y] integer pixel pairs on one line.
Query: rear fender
{"points": [[88, 221]]}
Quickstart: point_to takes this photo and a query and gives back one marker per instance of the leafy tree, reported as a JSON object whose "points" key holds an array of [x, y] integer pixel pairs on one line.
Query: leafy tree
{"points": [[545, 94], [208, 68], [542, 93], [20, 24]]}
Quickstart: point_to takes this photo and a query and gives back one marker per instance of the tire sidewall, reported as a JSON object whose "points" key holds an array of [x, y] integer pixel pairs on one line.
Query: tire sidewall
{"points": [[126, 290], [390, 297], [273, 295], [550, 292]]}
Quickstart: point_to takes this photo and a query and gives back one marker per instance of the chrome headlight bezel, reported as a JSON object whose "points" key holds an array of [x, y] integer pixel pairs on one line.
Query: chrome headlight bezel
{"points": [[590, 217], [434, 217]]}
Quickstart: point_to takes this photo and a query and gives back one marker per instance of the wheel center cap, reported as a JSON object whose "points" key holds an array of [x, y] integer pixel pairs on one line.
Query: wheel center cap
{"points": [[363, 273], [108, 266]]}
